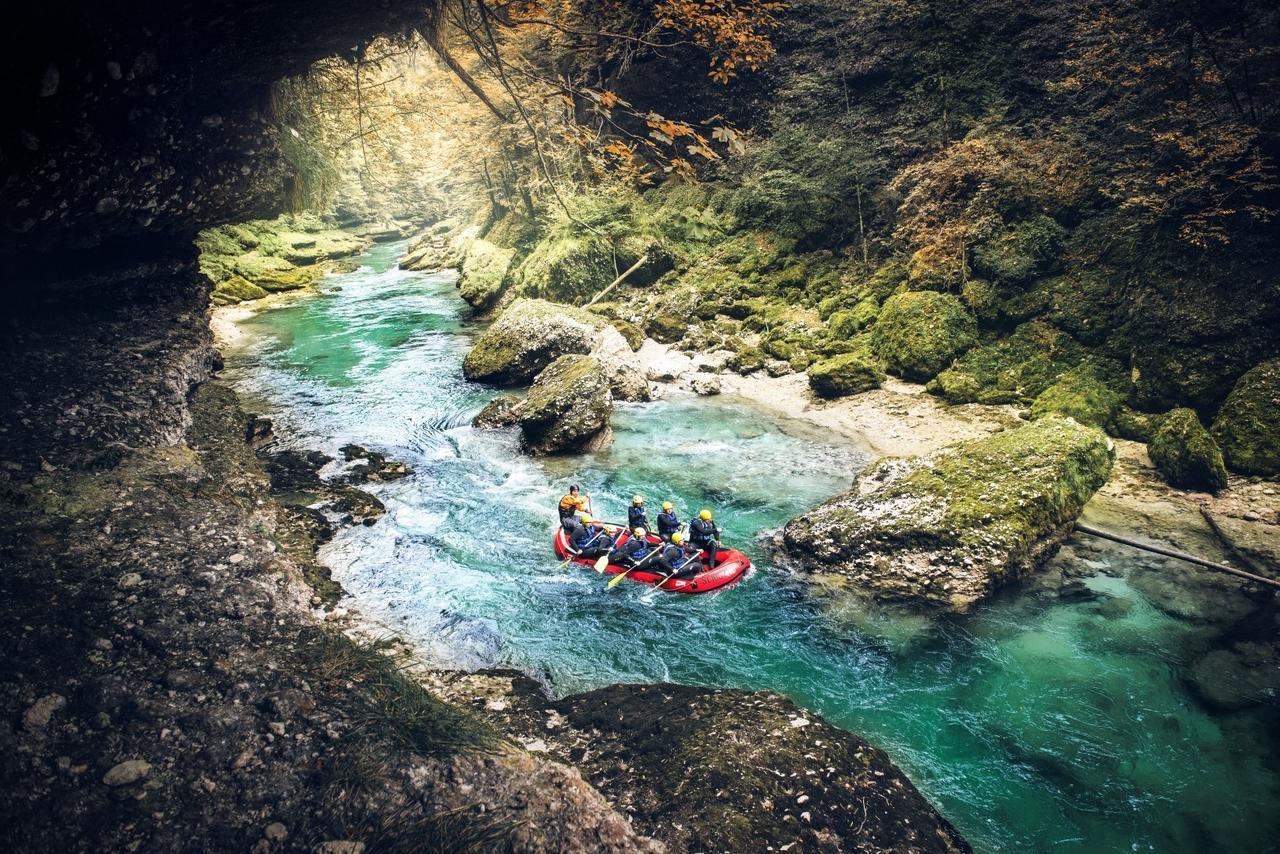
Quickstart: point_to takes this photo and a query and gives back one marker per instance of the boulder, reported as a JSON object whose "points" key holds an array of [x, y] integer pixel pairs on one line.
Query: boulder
{"points": [[568, 407], [1185, 454], [484, 271], [527, 337], [919, 333], [1247, 429], [619, 364], [945, 530], [235, 289], [666, 328], [502, 411], [850, 373], [1078, 394]]}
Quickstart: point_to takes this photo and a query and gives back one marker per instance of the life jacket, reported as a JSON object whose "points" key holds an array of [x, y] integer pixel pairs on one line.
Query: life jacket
{"points": [[668, 523], [570, 503], [636, 518], [584, 534], [702, 530]]}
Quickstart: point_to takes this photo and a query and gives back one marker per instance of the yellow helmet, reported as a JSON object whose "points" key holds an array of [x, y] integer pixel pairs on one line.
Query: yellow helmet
{"points": [[705, 514], [667, 505], [640, 532], [586, 518], [637, 499], [677, 538]]}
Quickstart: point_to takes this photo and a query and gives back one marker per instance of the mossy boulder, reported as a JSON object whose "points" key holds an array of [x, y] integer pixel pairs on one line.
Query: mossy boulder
{"points": [[1247, 428], [945, 530], [888, 278], [484, 271], [666, 328], [933, 269], [527, 337], [633, 335], [1081, 395], [1020, 251], [981, 298], [1015, 368], [851, 373], [568, 268], [1129, 423], [919, 333], [1185, 454], [848, 323], [235, 289], [567, 408], [502, 411]]}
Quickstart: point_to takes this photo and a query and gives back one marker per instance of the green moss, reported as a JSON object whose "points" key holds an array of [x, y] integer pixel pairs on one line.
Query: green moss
{"points": [[887, 279], [236, 289], [851, 373], [746, 360], [1021, 251], [666, 328], [919, 333], [484, 271], [631, 332], [1184, 452], [1129, 423], [1080, 394], [287, 280], [931, 269], [528, 336], [566, 268], [1247, 427], [846, 324], [1015, 368], [982, 299]]}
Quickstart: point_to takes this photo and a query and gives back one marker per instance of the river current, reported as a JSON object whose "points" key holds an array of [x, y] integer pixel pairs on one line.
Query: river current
{"points": [[1036, 723]]}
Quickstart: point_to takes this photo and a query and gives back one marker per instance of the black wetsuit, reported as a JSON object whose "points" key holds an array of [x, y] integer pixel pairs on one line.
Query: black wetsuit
{"points": [[637, 518], [668, 524], [674, 560], [630, 552], [704, 534], [589, 541]]}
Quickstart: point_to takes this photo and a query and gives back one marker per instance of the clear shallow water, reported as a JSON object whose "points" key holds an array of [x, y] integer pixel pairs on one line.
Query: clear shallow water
{"points": [[1036, 723]]}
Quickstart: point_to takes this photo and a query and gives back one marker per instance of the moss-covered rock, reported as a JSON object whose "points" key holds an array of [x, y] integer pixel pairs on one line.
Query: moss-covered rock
{"points": [[1247, 427], [747, 360], [1021, 251], [502, 411], [527, 337], [569, 268], [484, 271], [1129, 423], [633, 335], [981, 298], [848, 323], [568, 406], [1015, 368], [932, 269], [1081, 395], [1185, 454], [666, 328], [235, 289], [851, 373], [947, 529], [919, 333]]}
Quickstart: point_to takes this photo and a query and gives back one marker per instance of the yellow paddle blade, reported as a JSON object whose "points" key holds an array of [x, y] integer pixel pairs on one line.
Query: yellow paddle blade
{"points": [[617, 578], [602, 563]]}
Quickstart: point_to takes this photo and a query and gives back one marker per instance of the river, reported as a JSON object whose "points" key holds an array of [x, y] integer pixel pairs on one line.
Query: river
{"points": [[1037, 722]]}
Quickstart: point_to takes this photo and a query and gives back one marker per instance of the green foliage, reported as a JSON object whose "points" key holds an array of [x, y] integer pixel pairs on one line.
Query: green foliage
{"points": [[981, 298], [1020, 251], [1184, 452], [850, 373], [1247, 427], [919, 333]]}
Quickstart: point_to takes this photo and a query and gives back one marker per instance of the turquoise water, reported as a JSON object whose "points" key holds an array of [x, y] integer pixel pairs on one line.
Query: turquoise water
{"points": [[1039, 722]]}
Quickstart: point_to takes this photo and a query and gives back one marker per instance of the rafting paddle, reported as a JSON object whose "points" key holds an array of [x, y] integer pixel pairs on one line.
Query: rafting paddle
{"points": [[624, 573], [604, 558]]}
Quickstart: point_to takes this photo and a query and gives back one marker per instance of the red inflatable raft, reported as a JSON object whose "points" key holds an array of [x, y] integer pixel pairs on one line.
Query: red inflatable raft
{"points": [[731, 566]]}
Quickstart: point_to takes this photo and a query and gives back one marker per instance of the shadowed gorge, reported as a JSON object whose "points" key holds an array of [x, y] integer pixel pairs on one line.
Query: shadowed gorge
{"points": [[316, 310]]}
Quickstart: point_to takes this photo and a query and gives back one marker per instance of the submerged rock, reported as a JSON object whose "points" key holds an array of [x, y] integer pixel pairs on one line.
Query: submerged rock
{"points": [[947, 529], [850, 373], [1185, 454], [527, 337], [1247, 428], [919, 333], [568, 407]]}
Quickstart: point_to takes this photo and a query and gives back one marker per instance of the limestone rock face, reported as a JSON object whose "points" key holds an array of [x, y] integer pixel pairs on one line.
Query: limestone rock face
{"points": [[850, 373], [1246, 428], [945, 530], [620, 366], [484, 271], [568, 407], [527, 337], [1185, 454], [919, 333]]}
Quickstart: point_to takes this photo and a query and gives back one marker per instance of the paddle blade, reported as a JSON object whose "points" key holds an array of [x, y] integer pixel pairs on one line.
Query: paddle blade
{"points": [[616, 579], [602, 563]]}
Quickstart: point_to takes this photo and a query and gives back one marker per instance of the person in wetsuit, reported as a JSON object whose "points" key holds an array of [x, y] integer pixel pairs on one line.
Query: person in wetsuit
{"points": [[634, 550], [589, 539], [636, 516], [705, 534], [678, 559], [668, 521]]}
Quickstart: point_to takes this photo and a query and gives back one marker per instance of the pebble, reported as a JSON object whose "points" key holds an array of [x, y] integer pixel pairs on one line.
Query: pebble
{"points": [[41, 711], [339, 846], [536, 746], [235, 558], [103, 644], [275, 832], [129, 580], [799, 722], [129, 771], [276, 727], [495, 705]]}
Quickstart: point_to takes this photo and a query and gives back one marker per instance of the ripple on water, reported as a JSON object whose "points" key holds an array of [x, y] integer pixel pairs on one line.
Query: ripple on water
{"points": [[1035, 723]]}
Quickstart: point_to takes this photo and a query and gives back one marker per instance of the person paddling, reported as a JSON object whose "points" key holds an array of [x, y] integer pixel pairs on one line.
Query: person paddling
{"points": [[678, 559], [634, 550], [570, 506], [705, 534], [636, 516], [668, 521], [588, 539]]}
